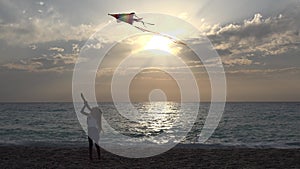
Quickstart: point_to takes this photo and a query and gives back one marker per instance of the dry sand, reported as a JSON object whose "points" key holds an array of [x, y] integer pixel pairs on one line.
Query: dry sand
{"points": [[68, 157]]}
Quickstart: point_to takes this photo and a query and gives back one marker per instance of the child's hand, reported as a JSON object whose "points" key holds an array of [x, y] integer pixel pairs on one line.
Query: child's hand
{"points": [[85, 102]]}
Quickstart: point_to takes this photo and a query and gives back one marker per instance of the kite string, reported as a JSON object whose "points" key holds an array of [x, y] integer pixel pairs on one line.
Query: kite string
{"points": [[157, 33]]}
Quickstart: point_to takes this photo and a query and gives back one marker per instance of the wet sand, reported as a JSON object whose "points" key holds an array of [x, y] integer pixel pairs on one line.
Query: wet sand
{"points": [[77, 157]]}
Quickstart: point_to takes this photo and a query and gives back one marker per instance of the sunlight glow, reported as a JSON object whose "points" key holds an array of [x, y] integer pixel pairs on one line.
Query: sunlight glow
{"points": [[159, 43]]}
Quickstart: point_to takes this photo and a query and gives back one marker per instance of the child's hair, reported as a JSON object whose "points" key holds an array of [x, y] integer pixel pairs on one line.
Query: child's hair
{"points": [[97, 114]]}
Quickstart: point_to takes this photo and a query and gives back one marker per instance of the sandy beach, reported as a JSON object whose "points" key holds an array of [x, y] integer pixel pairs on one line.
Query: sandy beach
{"points": [[77, 157]]}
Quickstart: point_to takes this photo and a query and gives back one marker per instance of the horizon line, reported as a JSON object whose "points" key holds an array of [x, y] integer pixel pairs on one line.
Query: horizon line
{"points": [[260, 101]]}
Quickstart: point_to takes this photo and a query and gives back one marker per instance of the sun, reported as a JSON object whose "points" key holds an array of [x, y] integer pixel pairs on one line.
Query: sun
{"points": [[159, 43]]}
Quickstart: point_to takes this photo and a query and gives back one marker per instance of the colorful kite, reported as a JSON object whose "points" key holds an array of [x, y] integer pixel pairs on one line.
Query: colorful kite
{"points": [[130, 18]]}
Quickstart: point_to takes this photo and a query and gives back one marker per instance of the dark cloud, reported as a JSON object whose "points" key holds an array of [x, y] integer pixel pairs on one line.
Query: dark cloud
{"points": [[224, 52]]}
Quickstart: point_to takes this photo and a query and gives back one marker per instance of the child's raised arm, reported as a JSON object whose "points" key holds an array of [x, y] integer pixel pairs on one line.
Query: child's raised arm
{"points": [[85, 102], [83, 112]]}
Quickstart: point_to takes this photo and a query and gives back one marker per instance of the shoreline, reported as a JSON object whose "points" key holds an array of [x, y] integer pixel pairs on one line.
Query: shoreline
{"points": [[75, 144], [20, 156]]}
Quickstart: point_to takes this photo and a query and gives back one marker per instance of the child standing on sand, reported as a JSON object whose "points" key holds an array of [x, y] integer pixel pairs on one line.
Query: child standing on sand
{"points": [[94, 126]]}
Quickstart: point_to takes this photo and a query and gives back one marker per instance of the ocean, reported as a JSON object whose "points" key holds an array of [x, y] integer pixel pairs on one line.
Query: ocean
{"points": [[251, 125]]}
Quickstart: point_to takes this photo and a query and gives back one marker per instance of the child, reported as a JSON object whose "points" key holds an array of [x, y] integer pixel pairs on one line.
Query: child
{"points": [[94, 126]]}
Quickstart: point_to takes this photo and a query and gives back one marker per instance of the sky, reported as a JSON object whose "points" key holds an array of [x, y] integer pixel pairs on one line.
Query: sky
{"points": [[257, 40]]}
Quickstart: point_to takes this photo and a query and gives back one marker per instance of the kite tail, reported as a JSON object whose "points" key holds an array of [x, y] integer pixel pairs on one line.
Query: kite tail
{"points": [[148, 23], [140, 20]]}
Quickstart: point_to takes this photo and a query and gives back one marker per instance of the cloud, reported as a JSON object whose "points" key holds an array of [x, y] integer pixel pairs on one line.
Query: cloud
{"points": [[243, 61], [33, 66], [33, 46], [56, 63], [269, 36], [37, 25], [39, 31], [57, 49], [291, 71], [258, 44]]}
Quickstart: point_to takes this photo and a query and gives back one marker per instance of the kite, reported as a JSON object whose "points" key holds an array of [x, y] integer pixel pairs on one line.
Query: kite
{"points": [[130, 18]]}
